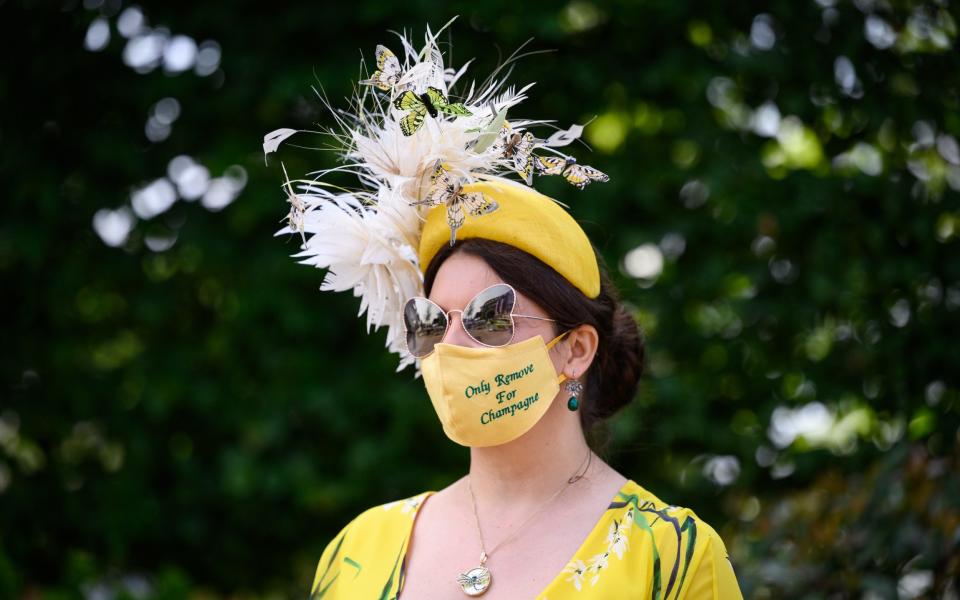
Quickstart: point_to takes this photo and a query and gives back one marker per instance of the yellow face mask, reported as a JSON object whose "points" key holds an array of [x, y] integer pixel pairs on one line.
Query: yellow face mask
{"points": [[490, 396]]}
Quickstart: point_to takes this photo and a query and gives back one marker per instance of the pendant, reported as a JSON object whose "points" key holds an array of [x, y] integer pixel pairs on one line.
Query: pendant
{"points": [[475, 581]]}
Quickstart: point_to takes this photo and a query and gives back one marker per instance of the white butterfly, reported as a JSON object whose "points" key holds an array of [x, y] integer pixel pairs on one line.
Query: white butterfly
{"points": [[298, 208], [388, 70], [516, 146], [446, 188]]}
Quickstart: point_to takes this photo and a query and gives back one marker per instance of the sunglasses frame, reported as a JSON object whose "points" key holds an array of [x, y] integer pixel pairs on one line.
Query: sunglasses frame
{"points": [[446, 314]]}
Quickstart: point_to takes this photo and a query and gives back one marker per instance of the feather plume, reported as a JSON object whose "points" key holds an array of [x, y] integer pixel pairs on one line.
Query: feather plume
{"points": [[367, 238]]}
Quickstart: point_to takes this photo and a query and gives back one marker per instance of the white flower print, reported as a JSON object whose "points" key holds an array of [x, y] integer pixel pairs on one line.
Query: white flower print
{"points": [[597, 563], [617, 543], [576, 569], [411, 504], [408, 504], [616, 539]]}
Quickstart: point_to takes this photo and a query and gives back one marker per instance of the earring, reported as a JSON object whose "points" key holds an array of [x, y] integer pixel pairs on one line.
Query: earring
{"points": [[575, 388]]}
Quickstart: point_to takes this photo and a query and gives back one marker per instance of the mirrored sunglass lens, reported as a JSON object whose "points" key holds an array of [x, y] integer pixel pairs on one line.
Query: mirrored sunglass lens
{"points": [[487, 317], [425, 324]]}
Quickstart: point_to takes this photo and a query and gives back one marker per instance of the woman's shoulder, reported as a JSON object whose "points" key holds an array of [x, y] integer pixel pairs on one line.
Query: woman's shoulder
{"points": [[667, 522], [366, 550], [657, 513], [688, 550]]}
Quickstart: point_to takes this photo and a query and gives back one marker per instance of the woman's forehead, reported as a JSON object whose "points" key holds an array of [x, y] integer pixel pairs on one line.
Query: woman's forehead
{"points": [[459, 279]]}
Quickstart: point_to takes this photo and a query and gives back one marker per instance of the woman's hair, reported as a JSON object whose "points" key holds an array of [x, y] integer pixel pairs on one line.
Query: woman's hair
{"points": [[614, 375]]}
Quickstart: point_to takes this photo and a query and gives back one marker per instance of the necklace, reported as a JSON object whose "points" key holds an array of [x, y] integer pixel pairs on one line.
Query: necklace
{"points": [[476, 580]]}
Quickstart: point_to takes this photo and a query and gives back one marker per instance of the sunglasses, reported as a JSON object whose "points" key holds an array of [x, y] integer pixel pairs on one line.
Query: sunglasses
{"points": [[487, 319]]}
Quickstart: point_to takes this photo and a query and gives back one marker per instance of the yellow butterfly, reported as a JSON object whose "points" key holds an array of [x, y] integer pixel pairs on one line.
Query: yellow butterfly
{"points": [[432, 102], [388, 70], [518, 147], [445, 188], [577, 175]]}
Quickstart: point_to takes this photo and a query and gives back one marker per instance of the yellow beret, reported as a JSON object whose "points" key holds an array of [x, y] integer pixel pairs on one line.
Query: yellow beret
{"points": [[525, 219]]}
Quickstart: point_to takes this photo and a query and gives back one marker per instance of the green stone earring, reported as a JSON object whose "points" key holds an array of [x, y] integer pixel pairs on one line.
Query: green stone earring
{"points": [[574, 388]]}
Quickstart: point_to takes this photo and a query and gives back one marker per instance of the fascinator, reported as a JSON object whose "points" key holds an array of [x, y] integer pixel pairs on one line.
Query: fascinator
{"points": [[435, 160]]}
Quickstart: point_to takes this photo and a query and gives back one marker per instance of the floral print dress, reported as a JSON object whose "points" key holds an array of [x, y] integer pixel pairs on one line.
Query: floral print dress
{"points": [[641, 548]]}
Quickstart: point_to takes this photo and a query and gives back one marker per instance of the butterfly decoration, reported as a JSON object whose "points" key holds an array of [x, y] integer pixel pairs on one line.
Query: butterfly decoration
{"points": [[298, 208], [446, 188], [388, 71], [431, 102], [578, 175], [517, 147]]}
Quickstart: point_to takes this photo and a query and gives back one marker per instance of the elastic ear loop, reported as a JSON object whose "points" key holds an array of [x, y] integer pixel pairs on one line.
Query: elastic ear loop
{"points": [[550, 344]]}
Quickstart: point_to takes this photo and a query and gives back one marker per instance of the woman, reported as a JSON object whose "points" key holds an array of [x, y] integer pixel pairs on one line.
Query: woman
{"points": [[495, 293], [553, 520]]}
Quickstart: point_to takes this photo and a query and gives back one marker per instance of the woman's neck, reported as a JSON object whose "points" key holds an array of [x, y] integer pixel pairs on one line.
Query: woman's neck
{"points": [[527, 471]]}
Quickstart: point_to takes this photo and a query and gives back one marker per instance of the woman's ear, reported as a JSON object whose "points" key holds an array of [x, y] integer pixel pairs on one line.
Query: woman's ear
{"points": [[581, 344]]}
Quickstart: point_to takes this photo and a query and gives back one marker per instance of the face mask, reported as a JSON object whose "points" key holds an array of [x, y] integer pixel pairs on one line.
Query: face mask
{"points": [[490, 396]]}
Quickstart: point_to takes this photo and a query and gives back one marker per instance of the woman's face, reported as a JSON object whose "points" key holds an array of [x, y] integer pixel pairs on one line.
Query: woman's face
{"points": [[459, 279]]}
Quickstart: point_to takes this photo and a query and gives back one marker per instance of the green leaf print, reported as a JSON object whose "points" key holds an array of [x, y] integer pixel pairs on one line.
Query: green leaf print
{"points": [[641, 522], [393, 573], [353, 564], [321, 589], [689, 525]]}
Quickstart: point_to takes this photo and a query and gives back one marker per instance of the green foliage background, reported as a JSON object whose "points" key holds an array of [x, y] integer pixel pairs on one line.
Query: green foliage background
{"points": [[199, 421]]}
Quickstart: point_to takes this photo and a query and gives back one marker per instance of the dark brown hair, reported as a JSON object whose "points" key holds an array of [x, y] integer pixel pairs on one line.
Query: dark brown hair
{"points": [[614, 375]]}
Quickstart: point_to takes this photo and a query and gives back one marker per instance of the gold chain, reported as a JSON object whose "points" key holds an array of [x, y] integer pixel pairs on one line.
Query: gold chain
{"points": [[483, 551]]}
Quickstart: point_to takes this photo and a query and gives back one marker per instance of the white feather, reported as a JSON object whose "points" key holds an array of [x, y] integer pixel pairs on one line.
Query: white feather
{"points": [[272, 140]]}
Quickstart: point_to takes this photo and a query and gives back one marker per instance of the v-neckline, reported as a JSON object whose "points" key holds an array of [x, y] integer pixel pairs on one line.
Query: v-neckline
{"points": [[598, 528]]}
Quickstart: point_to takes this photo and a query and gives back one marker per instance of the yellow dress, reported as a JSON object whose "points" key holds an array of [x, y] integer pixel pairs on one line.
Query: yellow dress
{"points": [[640, 548]]}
